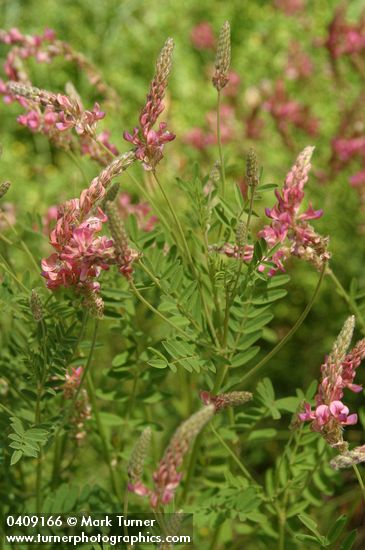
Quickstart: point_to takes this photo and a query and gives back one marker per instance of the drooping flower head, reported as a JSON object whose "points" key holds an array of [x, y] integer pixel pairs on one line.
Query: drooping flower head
{"points": [[167, 476]]}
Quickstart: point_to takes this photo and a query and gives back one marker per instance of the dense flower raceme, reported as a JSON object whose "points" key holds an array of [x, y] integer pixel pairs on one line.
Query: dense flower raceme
{"points": [[167, 478], [80, 252], [287, 222], [55, 115], [148, 141], [289, 230], [338, 373]]}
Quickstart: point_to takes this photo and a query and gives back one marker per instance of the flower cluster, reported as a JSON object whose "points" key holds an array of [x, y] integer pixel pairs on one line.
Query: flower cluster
{"points": [[289, 226], [345, 38], [202, 36], [289, 230], [167, 477], [338, 373], [55, 115], [200, 138], [81, 253], [141, 210], [286, 111], [149, 142]]}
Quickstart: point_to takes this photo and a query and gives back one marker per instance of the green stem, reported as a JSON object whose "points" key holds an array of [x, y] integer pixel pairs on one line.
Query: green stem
{"points": [[291, 332], [22, 243], [219, 139], [39, 458], [190, 260], [241, 466], [350, 301], [14, 277], [164, 291], [103, 438], [359, 479], [155, 311]]}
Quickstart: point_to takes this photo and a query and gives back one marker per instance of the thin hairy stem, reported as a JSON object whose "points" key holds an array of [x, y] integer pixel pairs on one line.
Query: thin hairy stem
{"points": [[219, 139]]}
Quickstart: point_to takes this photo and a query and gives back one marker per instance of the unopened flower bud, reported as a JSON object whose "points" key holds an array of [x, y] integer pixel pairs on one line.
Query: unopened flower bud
{"points": [[224, 400], [241, 233], [349, 458], [215, 174], [138, 456], [252, 169], [95, 305], [111, 194], [223, 58], [36, 306], [164, 61], [4, 188], [117, 228], [343, 341]]}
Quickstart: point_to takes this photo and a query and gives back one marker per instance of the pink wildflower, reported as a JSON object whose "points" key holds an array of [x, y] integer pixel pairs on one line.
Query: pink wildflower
{"points": [[299, 64], [81, 254], [358, 179], [202, 36], [290, 7], [286, 111], [345, 38], [150, 143], [347, 148], [338, 373], [289, 224], [141, 210]]}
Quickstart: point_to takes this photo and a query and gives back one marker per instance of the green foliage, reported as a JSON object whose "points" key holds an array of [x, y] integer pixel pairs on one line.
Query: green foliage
{"points": [[25, 442]]}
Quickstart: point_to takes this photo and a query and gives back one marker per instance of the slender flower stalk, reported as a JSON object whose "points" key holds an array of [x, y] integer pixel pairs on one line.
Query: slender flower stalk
{"points": [[220, 80]]}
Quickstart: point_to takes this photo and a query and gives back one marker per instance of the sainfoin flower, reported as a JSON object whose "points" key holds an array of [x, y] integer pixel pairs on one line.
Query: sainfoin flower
{"points": [[345, 38], [167, 477], [80, 252], [149, 142], [338, 373], [290, 228], [202, 36]]}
